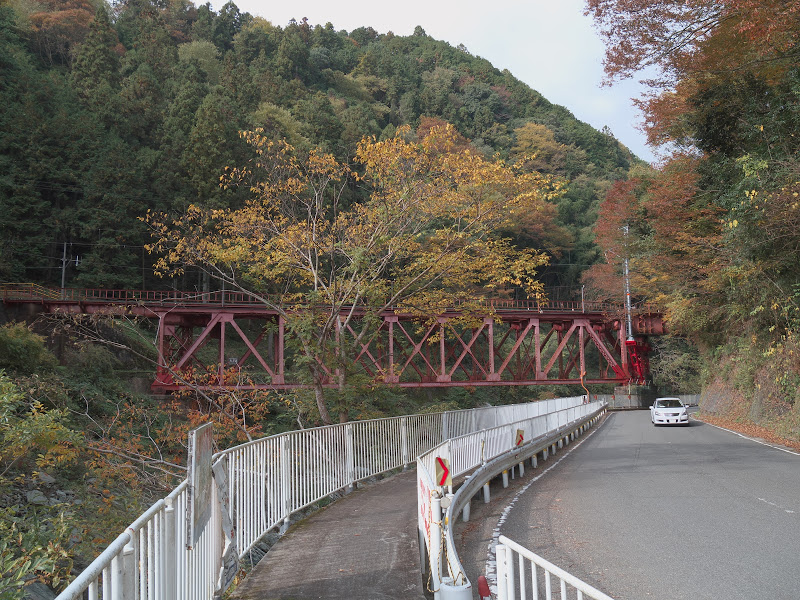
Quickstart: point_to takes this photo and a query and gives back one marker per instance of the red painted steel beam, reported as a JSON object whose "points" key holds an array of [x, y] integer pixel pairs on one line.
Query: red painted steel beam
{"points": [[518, 344]]}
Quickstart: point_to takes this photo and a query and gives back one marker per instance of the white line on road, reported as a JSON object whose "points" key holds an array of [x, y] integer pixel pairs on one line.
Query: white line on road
{"points": [[747, 437], [765, 501], [491, 556]]}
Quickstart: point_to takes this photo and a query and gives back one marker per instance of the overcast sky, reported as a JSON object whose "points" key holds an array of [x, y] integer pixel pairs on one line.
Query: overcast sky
{"points": [[548, 44]]}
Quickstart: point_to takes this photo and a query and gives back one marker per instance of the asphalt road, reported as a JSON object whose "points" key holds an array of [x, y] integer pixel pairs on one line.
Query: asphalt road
{"points": [[661, 513]]}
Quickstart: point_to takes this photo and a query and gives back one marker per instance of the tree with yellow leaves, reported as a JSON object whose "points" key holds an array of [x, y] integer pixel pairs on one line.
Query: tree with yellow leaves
{"points": [[425, 239]]}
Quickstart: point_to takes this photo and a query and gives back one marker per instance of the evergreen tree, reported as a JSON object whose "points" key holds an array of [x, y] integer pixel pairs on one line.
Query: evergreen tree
{"points": [[179, 122], [95, 74], [213, 144], [148, 112]]}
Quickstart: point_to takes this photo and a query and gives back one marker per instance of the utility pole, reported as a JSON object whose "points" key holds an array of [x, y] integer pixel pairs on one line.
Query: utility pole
{"points": [[628, 321], [64, 262], [63, 269], [583, 301]]}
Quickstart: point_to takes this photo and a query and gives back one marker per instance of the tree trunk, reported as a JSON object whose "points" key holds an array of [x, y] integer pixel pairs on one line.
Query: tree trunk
{"points": [[341, 376], [319, 394]]}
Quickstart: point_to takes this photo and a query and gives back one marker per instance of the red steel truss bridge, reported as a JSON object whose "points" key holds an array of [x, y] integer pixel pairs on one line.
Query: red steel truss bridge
{"points": [[237, 342]]}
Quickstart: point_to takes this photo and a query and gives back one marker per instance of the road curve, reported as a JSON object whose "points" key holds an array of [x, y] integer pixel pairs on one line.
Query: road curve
{"points": [[663, 513]]}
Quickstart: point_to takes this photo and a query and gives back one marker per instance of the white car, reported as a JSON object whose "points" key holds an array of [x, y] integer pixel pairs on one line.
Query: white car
{"points": [[669, 411]]}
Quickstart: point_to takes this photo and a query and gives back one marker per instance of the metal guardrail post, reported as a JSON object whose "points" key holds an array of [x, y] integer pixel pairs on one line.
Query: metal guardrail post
{"points": [[502, 572], [128, 561], [116, 579], [436, 545], [286, 484], [350, 457], [170, 558], [404, 442]]}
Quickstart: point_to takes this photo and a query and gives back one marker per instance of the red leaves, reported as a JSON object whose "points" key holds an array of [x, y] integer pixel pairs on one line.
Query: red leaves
{"points": [[620, 210], [617, 210], [663, 33], [57, 30]]}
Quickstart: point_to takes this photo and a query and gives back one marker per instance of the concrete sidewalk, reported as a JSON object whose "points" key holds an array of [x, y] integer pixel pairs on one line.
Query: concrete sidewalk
{"points": [[362, 547]]}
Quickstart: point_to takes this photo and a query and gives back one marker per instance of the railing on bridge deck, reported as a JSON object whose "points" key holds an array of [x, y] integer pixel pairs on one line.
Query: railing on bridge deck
{"points": [[32, 292], [518, 342], [262, 484]]}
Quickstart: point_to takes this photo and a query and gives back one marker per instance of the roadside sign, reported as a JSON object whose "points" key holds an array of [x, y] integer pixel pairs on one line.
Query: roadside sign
{"points": [[520, 437], [424, 502], [200, 480], [443, 476]]}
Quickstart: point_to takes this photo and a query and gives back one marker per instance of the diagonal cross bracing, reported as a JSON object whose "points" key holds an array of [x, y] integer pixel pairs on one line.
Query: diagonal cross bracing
{"points": [[502, 350], [515, 344]]}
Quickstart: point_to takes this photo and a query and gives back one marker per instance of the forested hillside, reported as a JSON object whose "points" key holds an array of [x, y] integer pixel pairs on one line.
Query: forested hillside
{"points": [[117, 119], [714, 234], [443, 176], [110, 111]]}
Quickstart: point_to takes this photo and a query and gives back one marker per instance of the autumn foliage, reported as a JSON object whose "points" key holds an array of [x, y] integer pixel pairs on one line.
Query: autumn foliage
{"points": [[427, 238], [713, 231]]}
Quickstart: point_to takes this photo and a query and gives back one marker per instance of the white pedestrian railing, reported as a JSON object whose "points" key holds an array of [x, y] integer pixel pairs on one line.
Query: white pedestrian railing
{"points": [[471, 452], [521, 574], [261, 484], [150, 558]]}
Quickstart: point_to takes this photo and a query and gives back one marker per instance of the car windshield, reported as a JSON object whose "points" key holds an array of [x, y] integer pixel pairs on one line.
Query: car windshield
{"points": [[669, 403]]}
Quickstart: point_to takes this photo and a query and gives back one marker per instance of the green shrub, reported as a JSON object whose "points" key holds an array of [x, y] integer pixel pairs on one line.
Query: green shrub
{"points": [[23, 352]]}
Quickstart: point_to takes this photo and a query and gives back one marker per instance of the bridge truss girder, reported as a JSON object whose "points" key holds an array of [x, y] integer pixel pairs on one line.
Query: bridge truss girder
{"points": [[247, 349]]}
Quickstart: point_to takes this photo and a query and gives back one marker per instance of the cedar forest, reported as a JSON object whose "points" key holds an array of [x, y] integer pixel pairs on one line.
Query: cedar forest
{"points": [[153, 144]]}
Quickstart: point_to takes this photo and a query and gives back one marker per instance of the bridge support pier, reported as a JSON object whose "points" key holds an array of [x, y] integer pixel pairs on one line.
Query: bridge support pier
{"points": [[487, 494]]}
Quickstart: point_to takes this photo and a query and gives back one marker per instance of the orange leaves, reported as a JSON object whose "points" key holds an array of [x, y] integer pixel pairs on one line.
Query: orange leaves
{"points": [[686, 223], [144, 443], [60, 27], [450, 202], [769, 24], [425, 237], [692, 44], [439, 181], [679, 37], [620, 211], [663, 116], [278, 173], [684, 218], [434, 205], [620, 208], [671, 231], [663, 33]]}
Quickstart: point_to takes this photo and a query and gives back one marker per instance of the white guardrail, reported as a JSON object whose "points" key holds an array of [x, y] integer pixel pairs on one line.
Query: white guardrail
{"points": [[485, 453], [533, 573], [259, 485]]}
